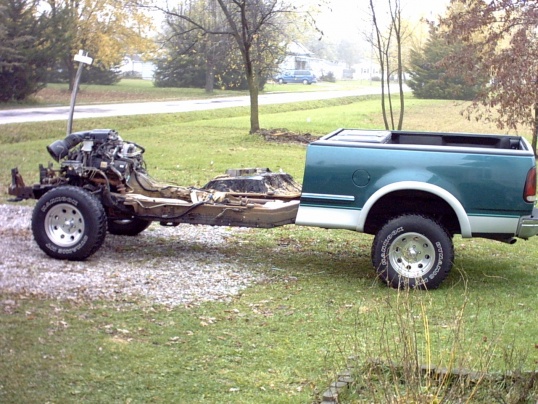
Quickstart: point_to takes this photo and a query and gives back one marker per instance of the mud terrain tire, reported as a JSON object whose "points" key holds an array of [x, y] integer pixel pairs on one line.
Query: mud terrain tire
{"points": [[412, 251], [127, 227], [69, 223]]}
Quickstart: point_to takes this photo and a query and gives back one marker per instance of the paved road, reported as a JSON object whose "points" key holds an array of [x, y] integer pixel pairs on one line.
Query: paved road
{"points": [[165, 107]]}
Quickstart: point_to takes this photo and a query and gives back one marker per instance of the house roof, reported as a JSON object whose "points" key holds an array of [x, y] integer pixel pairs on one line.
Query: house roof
{"points": [[295, 48]]}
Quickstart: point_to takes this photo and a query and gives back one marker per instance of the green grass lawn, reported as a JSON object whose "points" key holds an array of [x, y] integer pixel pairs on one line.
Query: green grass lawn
{"points": [[283, 340]]}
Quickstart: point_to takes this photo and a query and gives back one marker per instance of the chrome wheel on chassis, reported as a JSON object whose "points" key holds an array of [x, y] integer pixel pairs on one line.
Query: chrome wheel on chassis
{"points": [[64, 225]]}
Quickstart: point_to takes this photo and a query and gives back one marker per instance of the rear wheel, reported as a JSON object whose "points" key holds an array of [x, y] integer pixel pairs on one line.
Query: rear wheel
{"points": [[305, 82], [127, 227], [69, 223], [412, 251]]}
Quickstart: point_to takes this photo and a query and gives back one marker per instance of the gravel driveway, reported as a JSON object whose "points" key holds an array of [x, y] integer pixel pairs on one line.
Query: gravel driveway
{"points": [[172, 266]]}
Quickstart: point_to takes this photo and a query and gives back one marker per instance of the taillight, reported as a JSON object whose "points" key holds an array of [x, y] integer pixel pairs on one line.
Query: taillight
{"points": [[530, 186]]}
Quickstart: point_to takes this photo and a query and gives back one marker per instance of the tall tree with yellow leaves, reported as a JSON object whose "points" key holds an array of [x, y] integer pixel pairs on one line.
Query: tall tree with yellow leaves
{"points": [[106, 29]]}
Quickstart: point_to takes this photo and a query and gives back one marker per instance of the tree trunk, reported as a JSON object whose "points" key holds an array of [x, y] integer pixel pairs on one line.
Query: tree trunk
{"points": [[254, 109], [383, 109], [72, 71], [402, 105], [209, 76], [535, 130], [389, 94], [400, 81]]}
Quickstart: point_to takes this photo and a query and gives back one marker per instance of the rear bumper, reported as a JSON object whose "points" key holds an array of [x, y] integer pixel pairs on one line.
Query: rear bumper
{"points": [[528, 225]]}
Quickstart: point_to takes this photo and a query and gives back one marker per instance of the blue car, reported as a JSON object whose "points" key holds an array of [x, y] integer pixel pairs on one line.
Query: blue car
{"points": [[296, 76]]}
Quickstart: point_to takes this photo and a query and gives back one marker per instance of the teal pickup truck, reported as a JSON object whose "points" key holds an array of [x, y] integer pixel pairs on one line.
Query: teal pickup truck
{"points": [[412, 190]]}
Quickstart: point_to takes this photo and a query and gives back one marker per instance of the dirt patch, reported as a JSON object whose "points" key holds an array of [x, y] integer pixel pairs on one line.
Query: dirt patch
{"points": [[286, 136]]}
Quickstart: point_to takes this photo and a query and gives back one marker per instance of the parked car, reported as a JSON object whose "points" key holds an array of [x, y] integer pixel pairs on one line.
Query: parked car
{"points": [[296, 76]]}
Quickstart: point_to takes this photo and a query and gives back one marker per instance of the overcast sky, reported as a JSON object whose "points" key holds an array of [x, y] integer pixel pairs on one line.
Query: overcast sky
{"points": [[348, 16]]}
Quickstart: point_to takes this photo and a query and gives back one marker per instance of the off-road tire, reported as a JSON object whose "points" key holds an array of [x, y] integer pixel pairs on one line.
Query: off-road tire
{"points": [[127, 227], [412, 251], [69, 223]]}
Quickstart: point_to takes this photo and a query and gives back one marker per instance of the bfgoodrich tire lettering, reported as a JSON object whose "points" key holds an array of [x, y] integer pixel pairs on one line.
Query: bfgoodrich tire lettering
{"points": [[69, 223], [412, 251]]}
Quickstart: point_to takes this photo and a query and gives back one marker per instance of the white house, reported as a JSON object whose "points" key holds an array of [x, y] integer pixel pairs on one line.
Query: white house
{"points": [[300, 58], [297, 58], [135, 66]]}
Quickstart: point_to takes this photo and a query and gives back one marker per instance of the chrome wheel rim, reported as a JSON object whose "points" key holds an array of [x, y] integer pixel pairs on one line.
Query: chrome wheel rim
{"points": [[64, 225], [412, 255]]}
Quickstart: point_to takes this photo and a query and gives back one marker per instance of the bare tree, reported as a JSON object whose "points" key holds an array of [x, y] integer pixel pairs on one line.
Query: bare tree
{"points": [[387, 41], [504, 35], [253, 24], [258, 28]]}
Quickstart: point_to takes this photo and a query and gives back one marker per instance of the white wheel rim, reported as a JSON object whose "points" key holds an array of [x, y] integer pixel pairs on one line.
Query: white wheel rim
{"points": [[64, 225], [412, 255]]}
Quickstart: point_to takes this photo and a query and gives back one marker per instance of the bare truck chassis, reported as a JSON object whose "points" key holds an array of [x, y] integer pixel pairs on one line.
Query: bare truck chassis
{"points": [[102, 184]]}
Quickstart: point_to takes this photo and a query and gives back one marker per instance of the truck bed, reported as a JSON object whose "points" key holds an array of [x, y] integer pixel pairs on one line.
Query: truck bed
{"points": [[402, 138], [483, 178]]}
